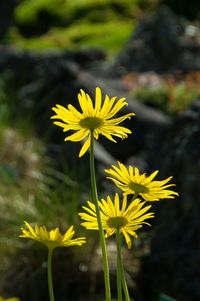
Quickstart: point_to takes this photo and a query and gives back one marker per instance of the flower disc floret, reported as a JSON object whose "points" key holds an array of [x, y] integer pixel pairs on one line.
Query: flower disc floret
{"points": [[53, 238], [126, 219], [91, 123], [138, 188], [130, 181], [93, 120], [117, 222]]}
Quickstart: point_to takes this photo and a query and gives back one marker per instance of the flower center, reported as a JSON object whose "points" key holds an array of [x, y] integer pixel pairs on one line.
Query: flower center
{"points": [[117, 222], [91, 123], [138, 188]]}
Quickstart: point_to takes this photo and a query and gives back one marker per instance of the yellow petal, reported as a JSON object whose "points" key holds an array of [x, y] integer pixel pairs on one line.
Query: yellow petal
{"points": [[85, 147]]}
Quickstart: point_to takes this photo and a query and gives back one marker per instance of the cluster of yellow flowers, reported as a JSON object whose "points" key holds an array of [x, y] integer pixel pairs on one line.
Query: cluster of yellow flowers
{"points": [[95, 120], [120, 215]]}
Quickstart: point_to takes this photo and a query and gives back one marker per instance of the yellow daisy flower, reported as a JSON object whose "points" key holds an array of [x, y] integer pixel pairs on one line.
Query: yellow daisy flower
{"points": [[94, 120], [9, 299], [53, 238], [130, 181], [127, 219]]}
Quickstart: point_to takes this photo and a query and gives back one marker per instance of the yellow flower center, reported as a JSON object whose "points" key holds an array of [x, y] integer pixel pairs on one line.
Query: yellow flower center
{"points": [[138, 188], [117, 222], [91, 123]]}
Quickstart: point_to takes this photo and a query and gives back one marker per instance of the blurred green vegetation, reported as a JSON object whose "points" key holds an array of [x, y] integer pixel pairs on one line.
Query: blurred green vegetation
{"points": [[168, 93], [169, 100], [110, 36], [67, 24], [32, 188]]}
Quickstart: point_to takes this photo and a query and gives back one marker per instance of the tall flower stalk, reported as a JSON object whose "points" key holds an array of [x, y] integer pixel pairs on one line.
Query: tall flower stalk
{"points": [[101, 232], [120, 266]]}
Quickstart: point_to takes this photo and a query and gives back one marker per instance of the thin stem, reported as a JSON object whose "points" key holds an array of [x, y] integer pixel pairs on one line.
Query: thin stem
{"points": [[125, 287], [119, 271], [101, 233], [124, 284], [49, 269]]}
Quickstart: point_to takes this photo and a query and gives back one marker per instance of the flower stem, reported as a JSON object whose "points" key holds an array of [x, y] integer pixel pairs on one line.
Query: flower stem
{"points": [[119, 271], [50, 284], [101, 233], [123, 279], [125, 288]]}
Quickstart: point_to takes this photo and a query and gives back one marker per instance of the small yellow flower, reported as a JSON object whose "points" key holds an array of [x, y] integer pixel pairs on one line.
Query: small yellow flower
{"points": [[53, 238], [9, 299], [94, 120], [130, 181], [126, 220]]}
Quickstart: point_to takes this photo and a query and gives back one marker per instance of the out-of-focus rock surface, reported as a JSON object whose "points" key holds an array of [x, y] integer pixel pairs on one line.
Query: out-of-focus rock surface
{"points": [[173, 265], [161, 42]]}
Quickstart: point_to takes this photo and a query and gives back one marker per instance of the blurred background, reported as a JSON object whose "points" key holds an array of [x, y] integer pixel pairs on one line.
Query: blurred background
{"points": [[145, 50]]}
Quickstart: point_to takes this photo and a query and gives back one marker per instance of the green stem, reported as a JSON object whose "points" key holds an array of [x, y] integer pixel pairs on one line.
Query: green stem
{"points": [[119, 271], [50, 283], [124, 284], [101, 233], [125, 288]]}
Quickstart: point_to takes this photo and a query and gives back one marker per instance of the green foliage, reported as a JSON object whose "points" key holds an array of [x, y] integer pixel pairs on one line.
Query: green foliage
{"points": [[34, 185], [111, 36], [31, 189], [170, 99], [64, 24], [65, 11], [157, 97]]}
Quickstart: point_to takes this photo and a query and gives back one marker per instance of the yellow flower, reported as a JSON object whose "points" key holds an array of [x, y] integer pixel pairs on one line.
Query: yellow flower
{"points": [[94, 120], [130, 181], [126, 220], [9, 299], [53, 238]]}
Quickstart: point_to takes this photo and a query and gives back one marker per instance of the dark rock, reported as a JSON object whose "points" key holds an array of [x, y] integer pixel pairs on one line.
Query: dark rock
{"points": [[173, 266], [162, 43], [189, 9], [12, 57]]}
